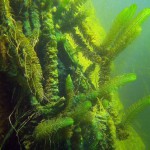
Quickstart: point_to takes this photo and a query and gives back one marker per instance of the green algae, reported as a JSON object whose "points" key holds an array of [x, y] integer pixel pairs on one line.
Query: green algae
{"points": [[52, 51]]}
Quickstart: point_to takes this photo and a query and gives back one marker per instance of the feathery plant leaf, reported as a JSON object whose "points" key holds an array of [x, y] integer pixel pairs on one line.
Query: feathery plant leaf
{"points": [[138, 20], [117, 82], [124, 40], [125, 29], [69, 87], [119, 24], [46, 128], [108, 87], [134, 110], [89, 70], [69, 92], [141, 17], [80, 111]]}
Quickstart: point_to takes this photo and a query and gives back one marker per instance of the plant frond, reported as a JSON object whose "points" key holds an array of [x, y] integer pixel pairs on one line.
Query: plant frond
{"points": [[116, 82], [119, 24], [69, 92], [46, 128], [80, 111], [125, 29], [134, 110]]}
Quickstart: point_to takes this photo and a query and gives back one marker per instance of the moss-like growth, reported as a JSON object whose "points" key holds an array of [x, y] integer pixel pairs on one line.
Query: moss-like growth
{"points": [[80, 111], [69, 92], [46, 128], [134, 109], [125, 29], [118, 81], [59, 65]]}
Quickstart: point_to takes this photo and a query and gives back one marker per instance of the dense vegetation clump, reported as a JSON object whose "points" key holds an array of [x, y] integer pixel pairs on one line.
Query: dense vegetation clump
{"points": [[56, 89]]}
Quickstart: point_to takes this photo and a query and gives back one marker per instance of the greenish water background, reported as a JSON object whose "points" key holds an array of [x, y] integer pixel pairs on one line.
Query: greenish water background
{"points": [[135, 58]]}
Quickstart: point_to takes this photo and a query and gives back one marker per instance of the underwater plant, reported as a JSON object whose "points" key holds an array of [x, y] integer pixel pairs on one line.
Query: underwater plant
{"points": [[55, 76]]}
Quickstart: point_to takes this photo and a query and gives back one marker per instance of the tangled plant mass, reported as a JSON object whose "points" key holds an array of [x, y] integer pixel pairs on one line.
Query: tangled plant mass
{"points": [[56, 87]]}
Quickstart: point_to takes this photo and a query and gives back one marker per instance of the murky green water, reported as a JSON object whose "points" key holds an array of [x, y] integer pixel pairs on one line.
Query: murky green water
{"points": [[136, 59]]}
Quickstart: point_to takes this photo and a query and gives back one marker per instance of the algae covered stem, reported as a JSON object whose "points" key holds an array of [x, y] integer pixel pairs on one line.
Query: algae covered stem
{"points": [[56, 60]]}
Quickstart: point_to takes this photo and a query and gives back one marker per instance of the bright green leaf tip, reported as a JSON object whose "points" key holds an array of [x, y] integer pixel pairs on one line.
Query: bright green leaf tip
{"points": [[46, 128]]}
